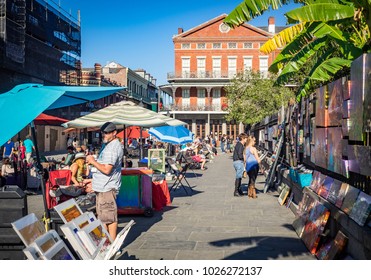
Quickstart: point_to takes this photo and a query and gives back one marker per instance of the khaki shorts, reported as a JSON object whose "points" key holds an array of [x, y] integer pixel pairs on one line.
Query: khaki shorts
{"points": [[106, 207]]}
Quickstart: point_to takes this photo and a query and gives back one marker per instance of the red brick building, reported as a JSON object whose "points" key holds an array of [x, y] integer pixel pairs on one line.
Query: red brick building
{"points": [[207, 57]]}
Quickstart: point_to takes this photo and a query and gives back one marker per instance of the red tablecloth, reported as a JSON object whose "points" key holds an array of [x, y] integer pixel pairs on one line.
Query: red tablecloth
{"points": [[160, 195]]}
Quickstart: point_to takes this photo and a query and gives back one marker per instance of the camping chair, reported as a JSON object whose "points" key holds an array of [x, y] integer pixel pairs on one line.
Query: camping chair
{"points": [[56, 177], [184, 157], [179, 172]]}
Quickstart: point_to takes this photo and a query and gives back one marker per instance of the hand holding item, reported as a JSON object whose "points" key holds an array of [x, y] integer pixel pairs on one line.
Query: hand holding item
{"points": [[90, 159]]}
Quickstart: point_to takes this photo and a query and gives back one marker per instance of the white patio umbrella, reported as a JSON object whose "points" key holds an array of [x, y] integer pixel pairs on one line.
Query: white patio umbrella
{"points": [[124, 113]]}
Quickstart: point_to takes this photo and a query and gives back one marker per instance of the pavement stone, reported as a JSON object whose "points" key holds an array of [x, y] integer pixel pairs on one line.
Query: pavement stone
{"points": [[211, 224]]}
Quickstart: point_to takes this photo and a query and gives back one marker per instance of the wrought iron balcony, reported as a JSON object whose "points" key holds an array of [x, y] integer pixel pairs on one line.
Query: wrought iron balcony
{"points": [[201, 74], [193, 108]]}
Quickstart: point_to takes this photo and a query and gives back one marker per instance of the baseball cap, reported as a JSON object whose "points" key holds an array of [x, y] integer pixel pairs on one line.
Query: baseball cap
{"points": [[108, 127]]}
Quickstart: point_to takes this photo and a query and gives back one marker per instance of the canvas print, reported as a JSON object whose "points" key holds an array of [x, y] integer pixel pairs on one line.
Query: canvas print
{"points": [[324, 188], [334, 148], [28, 228], [320, 147], [356, 109], [68, 210], [95, 237], [314, 227], [156, 159], [367, 95], [304, 208], [334, 191], [317, 181], [342, 193], [321, 111], [349, 199], [59, 252], [361, 209], [283, 195], [335, 106], [359, 158], [333, 249]]}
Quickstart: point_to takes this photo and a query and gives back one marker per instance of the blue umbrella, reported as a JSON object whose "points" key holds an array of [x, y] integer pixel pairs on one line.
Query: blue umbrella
{"points": [[23, 103], [172, 134]]}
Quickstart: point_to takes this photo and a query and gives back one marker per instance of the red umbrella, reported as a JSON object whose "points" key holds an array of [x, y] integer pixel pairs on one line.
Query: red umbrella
{"points": [[44, 119], [133, 132]]}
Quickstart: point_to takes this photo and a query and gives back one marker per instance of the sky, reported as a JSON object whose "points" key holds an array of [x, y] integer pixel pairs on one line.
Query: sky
{"points": [[138, 34]]}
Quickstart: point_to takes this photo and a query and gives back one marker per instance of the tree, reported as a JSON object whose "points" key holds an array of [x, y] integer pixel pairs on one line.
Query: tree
{"points": [[328, 35], [251, 98]]}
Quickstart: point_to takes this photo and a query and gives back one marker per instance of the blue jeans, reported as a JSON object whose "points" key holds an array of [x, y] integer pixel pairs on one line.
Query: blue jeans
{"points": [[239, 167]]}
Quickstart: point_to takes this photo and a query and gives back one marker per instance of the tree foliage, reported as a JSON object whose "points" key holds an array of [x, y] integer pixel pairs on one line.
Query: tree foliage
{"points": [[251, 98]]}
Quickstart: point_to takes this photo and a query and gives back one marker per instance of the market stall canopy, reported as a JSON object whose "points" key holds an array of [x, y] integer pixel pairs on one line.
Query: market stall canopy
{"points": [[44, 119], [172, 134], [124, 113], [22, 104], [133, 132]]}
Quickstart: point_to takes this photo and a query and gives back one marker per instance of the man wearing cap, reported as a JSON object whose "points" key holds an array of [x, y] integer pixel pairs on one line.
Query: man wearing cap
{"points": [[106, 180]]}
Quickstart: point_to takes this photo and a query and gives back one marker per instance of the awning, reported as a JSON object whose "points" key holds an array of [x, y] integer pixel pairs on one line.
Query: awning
{"points": [[124, 113], [22, 104], [44, 119]]}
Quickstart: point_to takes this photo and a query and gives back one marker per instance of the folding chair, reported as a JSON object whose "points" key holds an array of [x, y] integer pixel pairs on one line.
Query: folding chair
{"points": [[183, 157], [179, 173]]}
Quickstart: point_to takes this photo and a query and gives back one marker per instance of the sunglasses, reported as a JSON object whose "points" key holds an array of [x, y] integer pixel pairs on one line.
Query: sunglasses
{"points": [[105, 132]]}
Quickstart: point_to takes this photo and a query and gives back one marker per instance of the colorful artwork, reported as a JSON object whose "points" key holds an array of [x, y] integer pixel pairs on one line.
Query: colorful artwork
{"points": [[357, 76], [28, 228], [349, 199], [324, 189], [367, 95], [342, 193], [359, 158], [335, 105], [314, 227], [156, 159], [283, 195], [334, 191], [320, 147], [333, 249], [321, 111], [334, 148], [317, 181], [68, 210], [304, 208], [361, 209]]}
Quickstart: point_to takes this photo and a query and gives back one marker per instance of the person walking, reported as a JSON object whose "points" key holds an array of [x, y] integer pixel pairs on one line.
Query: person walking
{"points": [[252, 165], [106, 180], [238, 163], [8, 149], [223, 142], [29, 145]]}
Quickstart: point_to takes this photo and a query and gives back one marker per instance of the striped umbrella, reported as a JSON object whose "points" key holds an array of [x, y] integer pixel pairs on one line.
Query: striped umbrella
{"points": [[123, 113], [172, 134]]}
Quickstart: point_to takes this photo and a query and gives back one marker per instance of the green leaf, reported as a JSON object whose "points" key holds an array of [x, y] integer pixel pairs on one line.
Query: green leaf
{"points": [[320, 12]]}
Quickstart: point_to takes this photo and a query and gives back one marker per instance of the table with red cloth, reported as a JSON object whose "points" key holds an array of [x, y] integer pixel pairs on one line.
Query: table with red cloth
{"points": [[160, 195]]}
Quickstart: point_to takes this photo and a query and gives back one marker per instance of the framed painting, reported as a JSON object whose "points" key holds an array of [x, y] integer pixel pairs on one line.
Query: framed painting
{"points": [[283, 195], [334, 149], [68, 210], [361, 209], [28, 228], [156, 159]]}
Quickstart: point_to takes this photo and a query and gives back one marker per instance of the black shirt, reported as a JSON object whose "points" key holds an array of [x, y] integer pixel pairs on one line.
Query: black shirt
{"points": [[238, 152]]}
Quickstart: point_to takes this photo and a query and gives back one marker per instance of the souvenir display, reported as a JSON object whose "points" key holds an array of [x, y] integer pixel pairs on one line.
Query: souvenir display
{"points": [[334, 148], [335, 106], [357, 76], [321, 111], [324, 188], [359, 158], [349, 199], [314, 226], [334, 191], [361, 209]]}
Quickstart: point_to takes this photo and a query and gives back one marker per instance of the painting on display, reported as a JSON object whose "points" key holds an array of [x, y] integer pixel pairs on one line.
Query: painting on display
{"points": [[304, 208], [283, 195], [367, 95], [156, 159], [335, 106], [68, 210], [357, 76], [359, 158], [321, 111], [334, 148], [361, 209], [324, 189], [342, 193], [349, 199], [333, 249], [28, 228], [334, 191], [315, 226], [320, 147], [317, 181]]}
